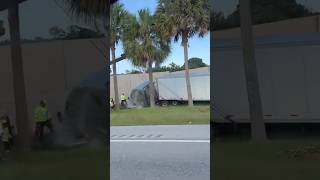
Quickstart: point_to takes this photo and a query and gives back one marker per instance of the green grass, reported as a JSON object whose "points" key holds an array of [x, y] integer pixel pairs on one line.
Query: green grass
{"points": [[161, 116], [265, 161], [79, 164]]}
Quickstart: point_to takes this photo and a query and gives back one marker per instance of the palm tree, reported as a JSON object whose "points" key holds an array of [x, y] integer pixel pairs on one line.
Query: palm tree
{"points": [[186, 18], [23, 127], [117, 22], [144, 47], [258, 131]]}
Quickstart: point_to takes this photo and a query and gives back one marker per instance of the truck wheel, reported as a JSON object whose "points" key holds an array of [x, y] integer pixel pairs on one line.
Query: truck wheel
{"points": [[174, 103], [164, 103]]}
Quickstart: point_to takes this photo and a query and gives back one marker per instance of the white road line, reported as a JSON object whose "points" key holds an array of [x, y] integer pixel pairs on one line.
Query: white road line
{"points": [[159, 140]]}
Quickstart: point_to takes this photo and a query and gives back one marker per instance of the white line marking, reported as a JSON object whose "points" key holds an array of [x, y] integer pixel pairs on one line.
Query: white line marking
{"points": [[160, 140]]}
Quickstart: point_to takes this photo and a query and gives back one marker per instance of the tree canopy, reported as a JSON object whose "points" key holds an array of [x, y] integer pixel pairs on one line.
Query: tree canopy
{"points": [[172, 67], [196, 63], [118, 20], [183, 18], [143, 44], [73, 32], [263, 11]]}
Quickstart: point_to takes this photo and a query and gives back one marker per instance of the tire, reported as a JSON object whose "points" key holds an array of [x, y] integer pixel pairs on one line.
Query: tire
{"points": [[174, 103], [164, 103]]}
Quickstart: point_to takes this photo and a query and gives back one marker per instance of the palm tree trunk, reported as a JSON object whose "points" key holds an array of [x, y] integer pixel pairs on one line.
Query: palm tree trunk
{"points": [[258, 131], [115, 79], [151, 85], [24, 135], [157, 65], [187, 74]]}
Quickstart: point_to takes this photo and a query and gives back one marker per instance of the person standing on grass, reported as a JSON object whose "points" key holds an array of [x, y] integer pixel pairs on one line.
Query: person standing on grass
{"points": [[6, 132], [42, 118], [112, 104], [5, 120], [123, 100]]}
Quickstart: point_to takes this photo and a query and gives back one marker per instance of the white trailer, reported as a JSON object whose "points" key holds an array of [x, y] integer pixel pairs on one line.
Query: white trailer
{"points": [[289, 79], [172, 88]]}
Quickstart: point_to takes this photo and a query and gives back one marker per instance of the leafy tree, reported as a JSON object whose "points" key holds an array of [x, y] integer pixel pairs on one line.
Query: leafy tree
{"points": [[77, 32], [144, 46], [171, 68], [74, 32], [184, 19], [193, 63], [196, 63], [133, 72], [174, 67], [218, 21], [264, 11]]}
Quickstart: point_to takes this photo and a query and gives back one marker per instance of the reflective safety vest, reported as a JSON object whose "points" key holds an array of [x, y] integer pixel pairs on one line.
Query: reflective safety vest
{"points": [[123, 98], [41, 114], [6, 136]]}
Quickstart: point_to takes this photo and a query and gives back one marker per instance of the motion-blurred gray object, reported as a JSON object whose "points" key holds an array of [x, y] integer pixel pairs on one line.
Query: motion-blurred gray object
{"points": [[86, 115], [140, 95]]}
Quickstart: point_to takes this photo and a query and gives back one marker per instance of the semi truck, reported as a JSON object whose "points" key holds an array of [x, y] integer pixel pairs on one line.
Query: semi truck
{"points": [[172, 90], [288, 73]]}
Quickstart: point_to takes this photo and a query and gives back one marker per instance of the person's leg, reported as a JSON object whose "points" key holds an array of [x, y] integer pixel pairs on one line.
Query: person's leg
{"points": [[49, 125], [40, 129]]}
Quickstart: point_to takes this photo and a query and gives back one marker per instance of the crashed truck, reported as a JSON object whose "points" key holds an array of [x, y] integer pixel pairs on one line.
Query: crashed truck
{"points": [[86, 111], [172, 90]]}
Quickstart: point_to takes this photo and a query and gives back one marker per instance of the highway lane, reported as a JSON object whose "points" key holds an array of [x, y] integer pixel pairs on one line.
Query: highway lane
{"points": [[160, 153]]}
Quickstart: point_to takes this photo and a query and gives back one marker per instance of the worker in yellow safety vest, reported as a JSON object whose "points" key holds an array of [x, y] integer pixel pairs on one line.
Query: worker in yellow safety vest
{"points": [[6, 132], [42, 119], [123, 100], [112, 104]]}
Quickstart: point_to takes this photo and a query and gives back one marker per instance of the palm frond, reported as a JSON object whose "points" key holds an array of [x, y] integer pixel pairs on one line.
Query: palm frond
{"points": [[192, 16], [88, 10], [118, 16], [145, 43]]}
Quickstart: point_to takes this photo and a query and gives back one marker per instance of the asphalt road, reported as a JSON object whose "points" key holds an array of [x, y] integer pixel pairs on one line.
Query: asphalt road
{"points": [[160, 153]]}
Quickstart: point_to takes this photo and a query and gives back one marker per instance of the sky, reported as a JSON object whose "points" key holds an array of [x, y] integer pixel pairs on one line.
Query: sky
{"points": [[199, 47], [37, 16]]}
